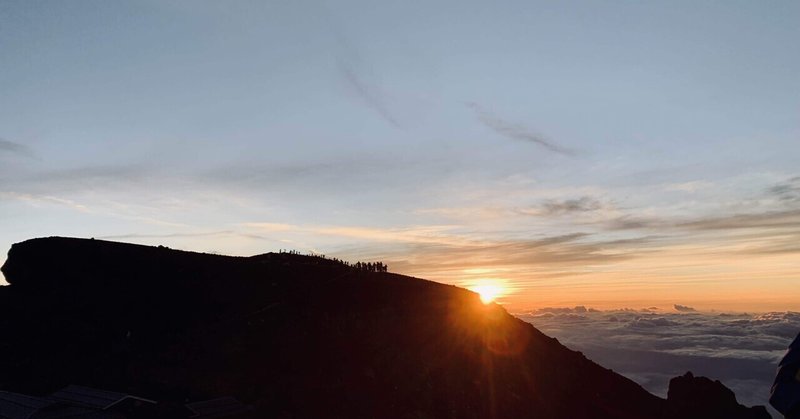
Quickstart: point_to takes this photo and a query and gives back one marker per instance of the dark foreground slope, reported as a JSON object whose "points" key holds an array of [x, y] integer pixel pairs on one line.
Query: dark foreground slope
{"points": [[293, 336]]}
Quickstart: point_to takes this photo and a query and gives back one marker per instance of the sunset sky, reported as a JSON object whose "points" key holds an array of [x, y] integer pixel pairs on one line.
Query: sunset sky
{"points": [[607, 154]]}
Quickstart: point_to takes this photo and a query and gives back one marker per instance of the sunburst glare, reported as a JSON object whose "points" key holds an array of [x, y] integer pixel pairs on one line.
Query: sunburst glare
{"points": [[489, 290]]}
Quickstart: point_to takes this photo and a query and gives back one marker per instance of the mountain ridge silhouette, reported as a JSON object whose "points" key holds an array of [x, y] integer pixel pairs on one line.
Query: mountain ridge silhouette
{"points": [[298, 336]]}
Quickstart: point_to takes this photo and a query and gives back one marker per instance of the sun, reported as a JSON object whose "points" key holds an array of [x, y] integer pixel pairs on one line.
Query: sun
{"points": [[488, 292]]}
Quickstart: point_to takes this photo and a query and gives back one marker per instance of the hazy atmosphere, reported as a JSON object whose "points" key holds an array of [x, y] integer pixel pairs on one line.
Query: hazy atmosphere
{"points": [[605, 154]]}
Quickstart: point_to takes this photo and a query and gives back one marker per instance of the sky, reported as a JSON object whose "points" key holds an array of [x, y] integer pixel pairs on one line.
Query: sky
{"points": [[607, 154]]}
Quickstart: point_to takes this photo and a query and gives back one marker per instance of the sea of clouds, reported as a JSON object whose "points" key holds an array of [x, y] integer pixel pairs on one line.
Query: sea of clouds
{"points": [[652, 345]]}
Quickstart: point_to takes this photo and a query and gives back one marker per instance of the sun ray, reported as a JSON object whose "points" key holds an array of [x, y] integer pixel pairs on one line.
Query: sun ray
{"points": [[488, 290]]}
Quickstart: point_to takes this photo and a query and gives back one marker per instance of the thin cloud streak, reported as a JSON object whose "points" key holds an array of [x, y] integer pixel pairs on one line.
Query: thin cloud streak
{"points": [[341, 171], [371, 95], [91, 174], [568, 251], [689, 187], [78, 179], [584, 204], [788, 191], [445, 248], [166, 236], [98, 208], [43, 199], [516, 131], [769, 219], [768, 233], [16, 148], [348, 60], [425, 234]]}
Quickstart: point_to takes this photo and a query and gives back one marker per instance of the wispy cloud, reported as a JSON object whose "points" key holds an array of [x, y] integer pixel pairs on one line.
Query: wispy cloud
{"points": [[777, 214], [88, 206], [563, 207], [84, 178], [446, 247], [439, 235], [16, 148], [43, 199], [655, 239], [329, 176], [767, 219], [631, 222], [574, 250], [788, 191], [357, 72], [690, 187], [90, 173], [334, 170], [513, 257], [372, 95], [516, 131], [683, 308], [756, 233], [166, 235]]}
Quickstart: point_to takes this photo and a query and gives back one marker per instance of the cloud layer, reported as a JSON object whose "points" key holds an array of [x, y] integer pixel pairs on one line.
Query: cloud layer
{"points": [[650, 347]]}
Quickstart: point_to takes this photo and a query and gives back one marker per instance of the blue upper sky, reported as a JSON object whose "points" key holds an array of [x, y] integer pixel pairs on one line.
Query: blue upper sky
{"points": [[602, 153]]}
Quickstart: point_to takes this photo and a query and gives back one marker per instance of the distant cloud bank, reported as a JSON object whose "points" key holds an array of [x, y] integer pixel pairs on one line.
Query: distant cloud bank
{"points": [[650, 347]]}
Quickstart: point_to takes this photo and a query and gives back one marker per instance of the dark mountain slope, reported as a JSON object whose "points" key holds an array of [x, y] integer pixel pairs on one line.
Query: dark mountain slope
{"points": [[294, 336]]}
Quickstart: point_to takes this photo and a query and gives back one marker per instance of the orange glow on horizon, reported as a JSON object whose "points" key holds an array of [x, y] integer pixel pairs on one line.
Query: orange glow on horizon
{"points": [[718, 280]]}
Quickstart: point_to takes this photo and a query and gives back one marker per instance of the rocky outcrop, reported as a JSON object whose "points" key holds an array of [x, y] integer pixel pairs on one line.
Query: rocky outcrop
{"points": [[292, 336], [700, 397]]}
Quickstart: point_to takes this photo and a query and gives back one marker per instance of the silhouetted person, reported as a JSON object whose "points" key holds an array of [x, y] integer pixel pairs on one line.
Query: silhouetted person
{"points": [[785, 393]]}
